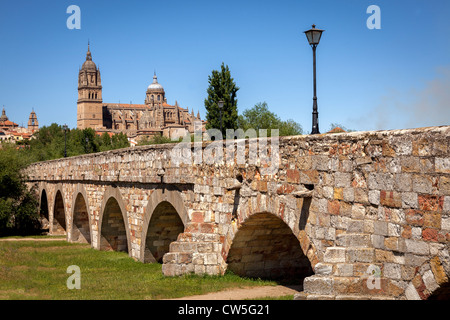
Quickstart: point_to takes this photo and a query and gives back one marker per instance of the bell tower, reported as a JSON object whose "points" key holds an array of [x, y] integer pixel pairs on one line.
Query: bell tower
{"points": [[33, 124], [89, 104]]}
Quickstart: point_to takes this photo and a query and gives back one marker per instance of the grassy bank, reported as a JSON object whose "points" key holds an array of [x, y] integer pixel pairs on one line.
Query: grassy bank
{"points": [[38, 270]]}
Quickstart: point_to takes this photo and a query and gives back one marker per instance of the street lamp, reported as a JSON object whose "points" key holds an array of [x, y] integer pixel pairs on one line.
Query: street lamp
{"points": [[220, 104], [313, 35], [86, 145], [65, 141]]}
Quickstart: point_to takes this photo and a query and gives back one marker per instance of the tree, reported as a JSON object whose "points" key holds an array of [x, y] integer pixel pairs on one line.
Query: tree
{"points": [[119, 141], [290, 128], [260, 117], [156, 139], [221, 87], [18, 205], [49, 142], [106, 142]]}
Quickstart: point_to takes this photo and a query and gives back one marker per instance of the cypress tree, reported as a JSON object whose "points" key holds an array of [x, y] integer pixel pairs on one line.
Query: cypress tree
{"points": [[221, 87]]}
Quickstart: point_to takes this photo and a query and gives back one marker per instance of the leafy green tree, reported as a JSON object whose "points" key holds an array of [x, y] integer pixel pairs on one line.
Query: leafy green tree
{"points": [[260, 117], [105, 142], [18, 205], [157, 139], [290, 128], [119, 141], [49, 142], [221, 88]]}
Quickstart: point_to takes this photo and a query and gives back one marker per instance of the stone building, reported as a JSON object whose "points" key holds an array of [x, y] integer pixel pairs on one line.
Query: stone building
{"points": [[153, 117], [33, 124], [12, 132], [5, 123]]}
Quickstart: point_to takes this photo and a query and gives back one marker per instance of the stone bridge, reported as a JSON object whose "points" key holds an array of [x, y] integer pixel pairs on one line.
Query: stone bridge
{"points": [[353, 215]]}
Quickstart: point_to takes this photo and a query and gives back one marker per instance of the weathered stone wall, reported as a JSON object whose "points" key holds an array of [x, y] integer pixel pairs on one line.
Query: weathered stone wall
{"points": [[370, 210]]}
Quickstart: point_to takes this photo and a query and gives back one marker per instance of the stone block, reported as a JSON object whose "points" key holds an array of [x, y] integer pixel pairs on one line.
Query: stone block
{"points": [[438, 271], [323, 269], [318, 285], [353, 240], [356, 226], [365, 255], [377, 241], [445, 223], [392, 271], [338, 194], [380, 228], [416, 247], [446, 206], [361, 196], [374, 197], [349, 194], [410, 164], [328, 192], [344, 270], [442, 165], [343, 179], [444, 185], [293, 176], [358, 211], [410, 200], [422, 184], [309, 177], [403, 182], [431, 202], [414, 217], [394, 230], [430, 281], [333, 207], [390, 199], [411, 293], [334, 255], [381, 181]]}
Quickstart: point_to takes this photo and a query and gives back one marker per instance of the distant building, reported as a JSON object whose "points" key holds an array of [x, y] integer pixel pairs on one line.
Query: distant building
{"points": [[33, 124], [12, 132], [5, 124], [153, 117]]}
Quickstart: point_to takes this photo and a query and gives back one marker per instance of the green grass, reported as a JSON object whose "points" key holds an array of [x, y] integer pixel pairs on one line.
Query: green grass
{"points": [[38, 270]]}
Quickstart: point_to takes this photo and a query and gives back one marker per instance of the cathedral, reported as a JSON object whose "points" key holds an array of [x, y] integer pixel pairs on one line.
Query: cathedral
{"points": [[153, 117]]}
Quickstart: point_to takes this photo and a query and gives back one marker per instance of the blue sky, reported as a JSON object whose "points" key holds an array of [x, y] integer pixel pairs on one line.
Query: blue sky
{"points": [[395, 77]]}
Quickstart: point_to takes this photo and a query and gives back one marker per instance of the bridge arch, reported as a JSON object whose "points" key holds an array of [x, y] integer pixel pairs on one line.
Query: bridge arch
{"points": [[165, 218], [44, 212], [59, 212], [81, 217], [264, 246], [113, 229]]}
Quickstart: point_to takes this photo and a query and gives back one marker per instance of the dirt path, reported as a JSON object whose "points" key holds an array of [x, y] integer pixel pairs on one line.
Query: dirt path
{"points": [[247, 293], [34, 239]]}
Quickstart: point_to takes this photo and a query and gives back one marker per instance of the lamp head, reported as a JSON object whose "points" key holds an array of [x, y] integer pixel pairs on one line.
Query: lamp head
{"points": [[313, 35]]}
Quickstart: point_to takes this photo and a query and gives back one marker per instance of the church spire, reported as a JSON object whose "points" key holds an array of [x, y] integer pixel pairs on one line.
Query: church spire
{"points": [[88, 54]]}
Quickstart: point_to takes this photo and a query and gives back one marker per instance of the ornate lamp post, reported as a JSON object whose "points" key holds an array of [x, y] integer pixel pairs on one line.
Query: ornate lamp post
{"points": [[220, 104], [313, 35], [65, 140]]}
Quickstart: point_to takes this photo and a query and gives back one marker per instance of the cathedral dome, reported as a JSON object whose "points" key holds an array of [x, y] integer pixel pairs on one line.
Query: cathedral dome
{"points": [[89, 65], [155, 86]]}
